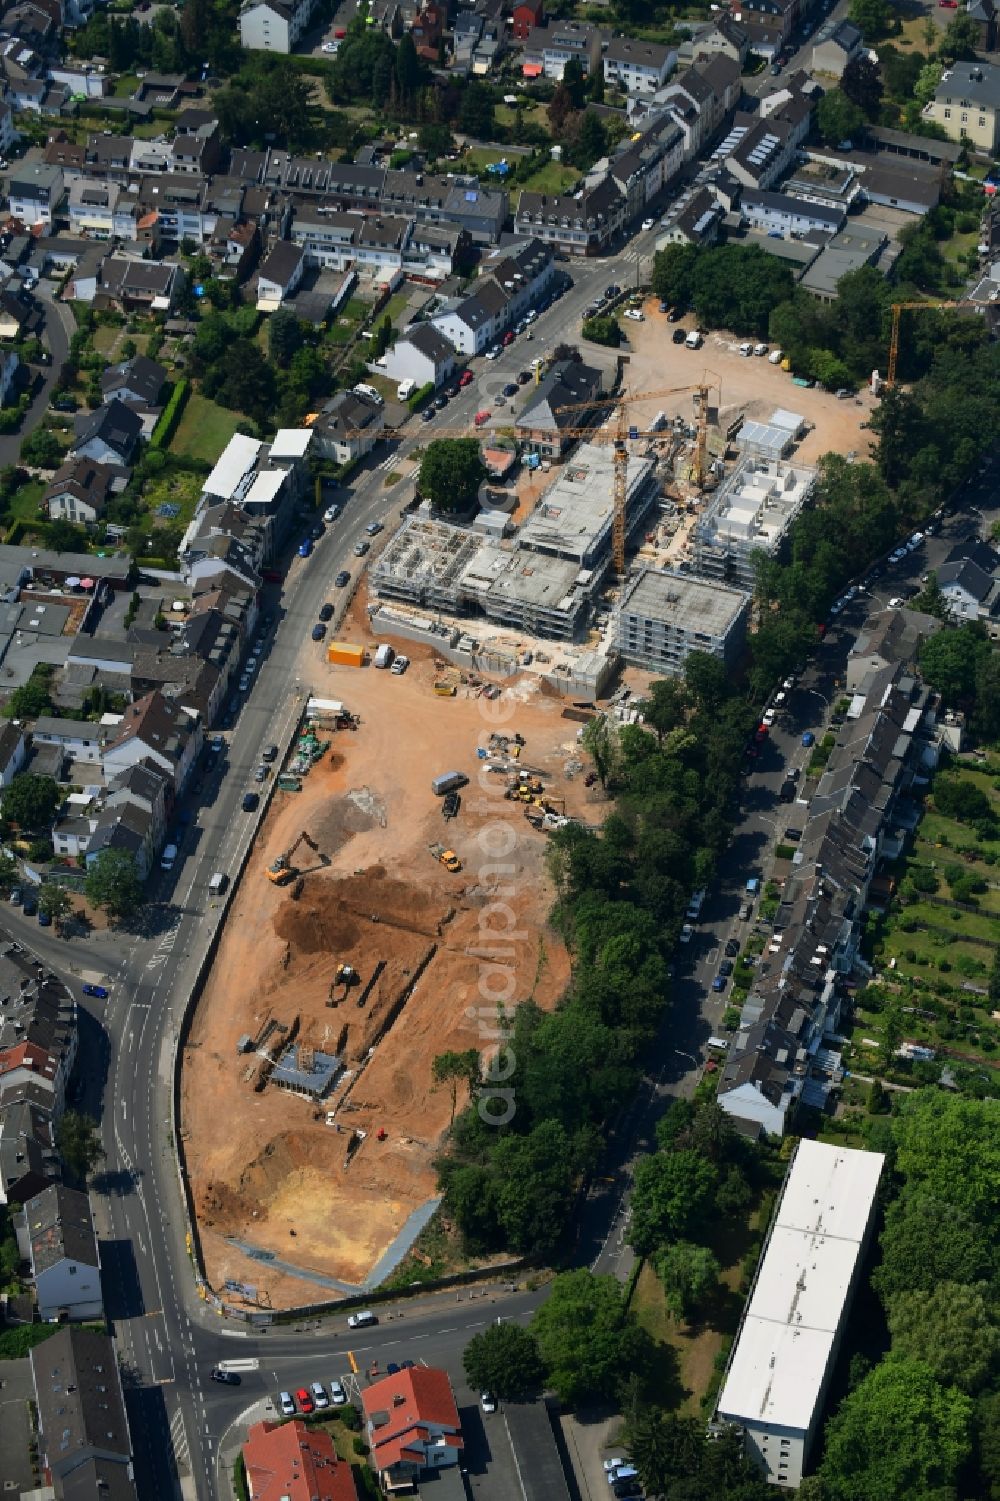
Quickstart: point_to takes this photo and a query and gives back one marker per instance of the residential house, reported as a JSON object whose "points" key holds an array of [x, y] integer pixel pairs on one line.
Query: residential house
{"points": [[102, 210], [970, 592], [9, 137], [290, 1462], [726, 36], [139, 380], [348, 427], [274, 25], [966, 105], [696, 223], [581, 225], [427, 31], [547, 49], [467, 30], [13, 752], [544, 421], [78, 739], [280, 275], [835, 46], [636, 67], [421, 354], [38, 1038], [84, 1437], [20, 315], [769, 24], [146, 786], [109, 435], [983, 14], [29, 1161], [194, 682], [62, 1248], [36, 190], [156, 730], [412, 1425], [135, 285], [781, 214], [758, 154], [528, 15]]}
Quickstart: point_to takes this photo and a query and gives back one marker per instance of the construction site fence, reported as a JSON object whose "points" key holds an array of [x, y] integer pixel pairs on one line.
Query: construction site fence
{"points": [[379, 1296]]}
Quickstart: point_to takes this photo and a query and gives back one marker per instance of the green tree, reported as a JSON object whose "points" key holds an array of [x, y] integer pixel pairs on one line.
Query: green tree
{"points": [[41, 449], [899, 1433], [587, 1339], [534, 1181], [64, 536], [54, 900], [435, 140], [451, 472], [673, 269], [475, 114], [949, 1147], [606, 331], [927, 1241], [927, 83], [986, 692], [8, 871], [664, 710], [960, 39], [30, 801], [951, 1329], [284, 336], [838, 118], [689, 1273], [862, 84], [591, 141], [113, 883], [453, 1068], [504, 1359], [950, 659], [30, 700], [872, 16], [409, 72], [671, 1199], [79, 1143]]}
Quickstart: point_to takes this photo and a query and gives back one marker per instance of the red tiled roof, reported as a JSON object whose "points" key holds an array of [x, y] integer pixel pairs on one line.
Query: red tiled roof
{"points": [[27, 1055], [414, 1405], [293, 1461]]}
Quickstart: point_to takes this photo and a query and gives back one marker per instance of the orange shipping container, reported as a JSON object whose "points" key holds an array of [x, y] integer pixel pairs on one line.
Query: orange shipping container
{"points": [[346, 654]]}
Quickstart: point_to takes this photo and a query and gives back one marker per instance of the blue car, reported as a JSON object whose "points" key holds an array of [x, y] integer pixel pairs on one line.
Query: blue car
{"points": [[808, 739], [99, 992], [719, 983], [44, 920], [305, 547]]}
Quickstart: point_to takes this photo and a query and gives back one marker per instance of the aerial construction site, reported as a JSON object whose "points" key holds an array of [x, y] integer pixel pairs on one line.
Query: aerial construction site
{"points": [[353, 955]]}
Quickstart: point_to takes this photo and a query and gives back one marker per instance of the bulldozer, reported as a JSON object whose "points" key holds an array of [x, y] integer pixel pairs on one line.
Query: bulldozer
{"points": [[448, 858], [281, 870]]}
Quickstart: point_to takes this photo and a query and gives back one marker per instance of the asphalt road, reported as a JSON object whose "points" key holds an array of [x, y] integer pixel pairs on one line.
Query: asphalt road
{"points": [[59, 329], [168, 1339]]}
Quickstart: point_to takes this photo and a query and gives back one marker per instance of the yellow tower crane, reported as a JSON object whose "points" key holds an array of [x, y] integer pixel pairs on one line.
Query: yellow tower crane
{"points": [[898, 308]]}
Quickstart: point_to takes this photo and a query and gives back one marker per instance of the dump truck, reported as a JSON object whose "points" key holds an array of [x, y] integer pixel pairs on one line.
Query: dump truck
{"points": [[345, 654], [444, 689], [448, 858]]}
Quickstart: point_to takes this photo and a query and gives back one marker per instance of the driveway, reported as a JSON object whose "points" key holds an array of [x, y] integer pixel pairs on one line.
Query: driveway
{"points": [[60, 326]]}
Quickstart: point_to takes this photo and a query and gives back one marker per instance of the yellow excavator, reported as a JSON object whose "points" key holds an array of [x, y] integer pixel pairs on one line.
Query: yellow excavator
{"points": [[281, 870]]}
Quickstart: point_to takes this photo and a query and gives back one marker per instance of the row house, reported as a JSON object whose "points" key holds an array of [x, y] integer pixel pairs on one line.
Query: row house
{"points": [[36, 192], [509, 285], [579, 225], [56, 1235], [85, 1448], [784, 1054], [102, 211], [636, 67]]}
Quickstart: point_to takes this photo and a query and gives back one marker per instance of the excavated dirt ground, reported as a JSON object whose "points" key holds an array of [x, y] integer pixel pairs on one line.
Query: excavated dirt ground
{"points": [[265, 1164]]}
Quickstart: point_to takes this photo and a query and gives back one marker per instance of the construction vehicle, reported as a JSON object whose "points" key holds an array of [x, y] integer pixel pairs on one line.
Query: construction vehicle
{"points": [[444, 689], [450, 806], [281, 870], [448, 858], [344, 977]]}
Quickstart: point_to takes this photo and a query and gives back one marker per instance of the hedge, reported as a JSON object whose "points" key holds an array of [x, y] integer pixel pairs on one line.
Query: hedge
{"points": [[419, 397], [170, 416]]}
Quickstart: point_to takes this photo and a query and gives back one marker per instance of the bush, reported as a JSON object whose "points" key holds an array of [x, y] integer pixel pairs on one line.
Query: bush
{"points": [[419, 397], [170, 416], [360, 1446], [602, 331]]}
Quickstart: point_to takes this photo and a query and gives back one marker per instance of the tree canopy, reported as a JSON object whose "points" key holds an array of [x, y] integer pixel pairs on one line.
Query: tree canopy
{"points": [[731, 286], [950, 1328], [30, 801], [899, 1433], [838, 117], [671, 1198], [588, 1342], [79, 1143], [113, 883], [451, 472], [927, 1241], [504, 1360], [949, 1146]]}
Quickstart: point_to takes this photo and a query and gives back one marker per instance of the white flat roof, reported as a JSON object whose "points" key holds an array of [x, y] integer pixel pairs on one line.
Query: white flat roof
{"points": [[786, 1341], [236, 459], [291, 442], [266, 486], [782, 417]]}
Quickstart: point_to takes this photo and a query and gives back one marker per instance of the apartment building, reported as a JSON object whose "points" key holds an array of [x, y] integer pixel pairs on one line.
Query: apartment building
{"points": [[84, 1439], [636, 67], [36, 191], [579, 225], [274, 25], [549, 48], [966, 105], [751, 511]]}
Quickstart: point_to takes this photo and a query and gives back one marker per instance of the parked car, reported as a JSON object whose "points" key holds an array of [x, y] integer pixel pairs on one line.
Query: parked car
{"points": [[325, 612], [99, 992], [487, 1402], [635, 314], [16, 896], [318, 631], [270, 754], [374, 527], [251, 802], [793, 835], [337, 1393], [30, 907], [360, 548], [428, 414], [687, 933], [44, 920], [732, 947], [319, 1395], [719, 983], [286, 1404], [304, 1398], [262, 773], [363, 1320], [510, 389], [726, 968], [679, 335], [523, 377], [808, 739], [331, 513], [466, 378]]}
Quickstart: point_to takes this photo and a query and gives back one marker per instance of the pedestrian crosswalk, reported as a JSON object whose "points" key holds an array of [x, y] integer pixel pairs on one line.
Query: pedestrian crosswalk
{"points": [[178, 1438]]}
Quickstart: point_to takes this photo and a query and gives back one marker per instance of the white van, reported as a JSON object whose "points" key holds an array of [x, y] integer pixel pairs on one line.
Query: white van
{"points": [[370, 392], [693, 340], [405, 390], [168, 857], [218, 883]]}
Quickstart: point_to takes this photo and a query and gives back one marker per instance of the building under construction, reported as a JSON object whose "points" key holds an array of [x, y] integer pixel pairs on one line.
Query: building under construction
{"points": [[751, 511], [542, 581]]}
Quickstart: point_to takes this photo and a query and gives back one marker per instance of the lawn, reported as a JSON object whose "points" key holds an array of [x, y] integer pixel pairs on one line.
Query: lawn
{"points": [[107, 338], [478, 158], [126, 86], [204, 429], [179, 489], [396, 306], [552, 178], [948, 834], [531, 111], [24, 506]]}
